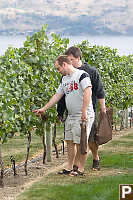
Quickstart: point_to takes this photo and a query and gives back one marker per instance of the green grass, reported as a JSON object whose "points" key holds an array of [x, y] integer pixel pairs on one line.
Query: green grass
{"points": [[117, 161], [115, 157], [117, 168], [104, 188], [114, 160], [121, 143], [129, 136]]}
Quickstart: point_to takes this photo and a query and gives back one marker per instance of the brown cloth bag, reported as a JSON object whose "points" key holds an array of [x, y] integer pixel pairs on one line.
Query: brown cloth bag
{"points": [[104, 129], [83, 139]]}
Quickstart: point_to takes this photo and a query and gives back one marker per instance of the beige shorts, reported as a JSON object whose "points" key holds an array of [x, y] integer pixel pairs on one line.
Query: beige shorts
{"points": [[73, 129]]}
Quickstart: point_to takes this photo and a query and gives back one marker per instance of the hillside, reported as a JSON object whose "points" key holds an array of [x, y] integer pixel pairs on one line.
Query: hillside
{"points": [[67, 17]]}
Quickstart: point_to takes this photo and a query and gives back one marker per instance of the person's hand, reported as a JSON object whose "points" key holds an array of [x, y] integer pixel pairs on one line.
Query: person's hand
{"points": [[103, 109], [84, 116], [39, 112], [59, 119]]}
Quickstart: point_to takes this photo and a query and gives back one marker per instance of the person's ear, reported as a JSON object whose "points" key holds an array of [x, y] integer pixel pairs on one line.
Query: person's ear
{"points": [[78, 58], [63, 64]]}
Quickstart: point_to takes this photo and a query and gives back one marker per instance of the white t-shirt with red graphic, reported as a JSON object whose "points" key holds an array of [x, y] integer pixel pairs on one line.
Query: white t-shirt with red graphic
{"points": [[73, 87]]}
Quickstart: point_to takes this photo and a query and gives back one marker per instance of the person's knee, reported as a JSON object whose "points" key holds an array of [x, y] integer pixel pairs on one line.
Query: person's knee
{"points": [[92, 146]]}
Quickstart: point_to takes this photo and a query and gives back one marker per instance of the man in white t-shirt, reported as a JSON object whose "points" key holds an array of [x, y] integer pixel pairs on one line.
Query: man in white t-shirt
{"points": [[76, 86]]}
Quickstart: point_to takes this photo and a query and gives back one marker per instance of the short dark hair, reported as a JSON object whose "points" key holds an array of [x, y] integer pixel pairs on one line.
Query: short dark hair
{"points": [[63, 58], [75, 51]]}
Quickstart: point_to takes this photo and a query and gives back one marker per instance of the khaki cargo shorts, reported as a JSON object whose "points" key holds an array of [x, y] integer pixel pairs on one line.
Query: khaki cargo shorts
{"points": [[73, 129]]}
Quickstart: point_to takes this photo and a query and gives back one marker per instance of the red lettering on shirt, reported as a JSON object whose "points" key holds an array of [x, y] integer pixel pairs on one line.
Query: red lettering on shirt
{"points": [[71, 86], [75, 86]]}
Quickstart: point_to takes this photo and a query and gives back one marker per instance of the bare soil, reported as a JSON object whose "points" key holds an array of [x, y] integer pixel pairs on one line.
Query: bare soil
{"points": [[14, 185]]}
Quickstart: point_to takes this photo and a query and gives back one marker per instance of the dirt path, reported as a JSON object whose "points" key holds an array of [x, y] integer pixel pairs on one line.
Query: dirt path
{"points": [[14, 185]]}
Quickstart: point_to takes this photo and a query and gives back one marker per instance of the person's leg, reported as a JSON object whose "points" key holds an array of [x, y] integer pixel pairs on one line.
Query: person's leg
{"points": [[82, 158], [76, 161], [91, 146], [81, 161], [72, 150], [71, 147], [96, 159], [94, 149], [77, 158], [76, 131]]}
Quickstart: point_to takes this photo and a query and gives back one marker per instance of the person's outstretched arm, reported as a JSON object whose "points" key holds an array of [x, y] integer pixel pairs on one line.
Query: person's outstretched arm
{"points": [[54, 99]]}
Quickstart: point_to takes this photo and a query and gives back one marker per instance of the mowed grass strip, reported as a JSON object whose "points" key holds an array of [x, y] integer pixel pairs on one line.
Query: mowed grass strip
{"points": [[117, 168], [100, 188], [117, 160]]}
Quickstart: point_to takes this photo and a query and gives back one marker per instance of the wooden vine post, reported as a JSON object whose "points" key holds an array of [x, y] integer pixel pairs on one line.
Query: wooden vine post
{"points": [[44, 137], [54, 140], [2, 166], [131, 117], [126, 118], [49, 143], [28, 150]]}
